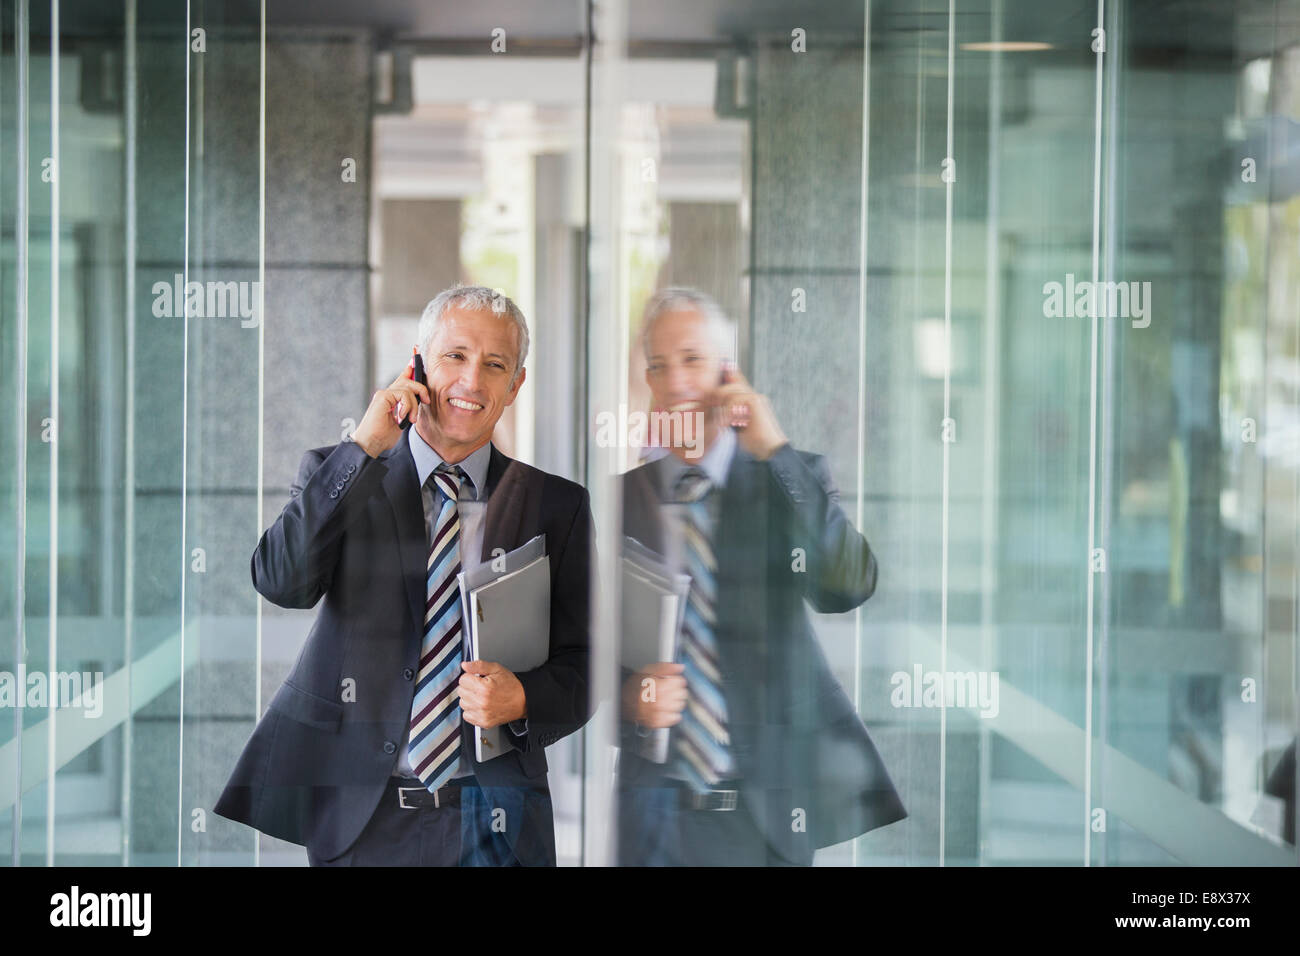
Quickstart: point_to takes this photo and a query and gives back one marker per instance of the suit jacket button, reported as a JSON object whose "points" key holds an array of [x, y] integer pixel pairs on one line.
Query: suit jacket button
{"points": [[351, 469], [334, 494], [389, 747], [408, 673]]}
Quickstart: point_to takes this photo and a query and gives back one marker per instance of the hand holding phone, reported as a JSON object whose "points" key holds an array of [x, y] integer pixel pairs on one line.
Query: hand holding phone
{"points": [[750, 413], [735, 415], [392, 409]]}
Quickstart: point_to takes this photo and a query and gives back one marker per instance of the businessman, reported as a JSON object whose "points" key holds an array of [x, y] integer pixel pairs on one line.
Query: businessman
{"points": [[366, 754], [767, 759]]}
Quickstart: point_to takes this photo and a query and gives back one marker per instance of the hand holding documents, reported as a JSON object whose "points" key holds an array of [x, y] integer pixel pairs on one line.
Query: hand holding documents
{"points": [[507, 615], [654, 602]]}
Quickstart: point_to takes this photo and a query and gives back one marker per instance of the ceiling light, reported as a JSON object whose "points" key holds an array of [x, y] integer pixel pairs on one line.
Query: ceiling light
{"points": [[1006, 46]]}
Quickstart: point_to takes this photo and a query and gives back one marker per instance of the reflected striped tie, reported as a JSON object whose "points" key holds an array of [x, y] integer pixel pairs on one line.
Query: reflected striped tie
{"points": [[434, 748], [701, 744]]}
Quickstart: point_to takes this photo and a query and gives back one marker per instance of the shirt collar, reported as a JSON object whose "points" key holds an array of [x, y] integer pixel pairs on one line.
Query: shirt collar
{"points": [[715, 462], [426, 460]]}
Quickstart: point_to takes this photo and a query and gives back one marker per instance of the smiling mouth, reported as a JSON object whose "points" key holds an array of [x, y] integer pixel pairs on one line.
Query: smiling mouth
{"points": [[465, 404], [684, 406]]}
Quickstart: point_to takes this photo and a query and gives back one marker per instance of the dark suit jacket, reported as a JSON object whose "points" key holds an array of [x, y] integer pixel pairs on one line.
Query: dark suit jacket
{"points": [[803, 753], [353, 533]]}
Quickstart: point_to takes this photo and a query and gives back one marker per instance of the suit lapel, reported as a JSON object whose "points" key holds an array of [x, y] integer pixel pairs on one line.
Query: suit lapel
{"points": [[513, 508], [402, 486], [740, 546], [642, 506], [742, 515]]}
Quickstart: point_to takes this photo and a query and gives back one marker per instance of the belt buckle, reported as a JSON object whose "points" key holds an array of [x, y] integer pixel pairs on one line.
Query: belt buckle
{"points": [[729, 798], [401, 798], [714, 800]]}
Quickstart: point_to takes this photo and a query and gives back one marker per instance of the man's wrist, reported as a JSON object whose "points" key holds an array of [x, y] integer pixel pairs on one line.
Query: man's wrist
{"points": [[366, 445]]}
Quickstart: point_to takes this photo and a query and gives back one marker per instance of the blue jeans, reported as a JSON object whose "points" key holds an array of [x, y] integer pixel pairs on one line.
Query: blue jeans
{"points": [[427, 836], [654, 830]]}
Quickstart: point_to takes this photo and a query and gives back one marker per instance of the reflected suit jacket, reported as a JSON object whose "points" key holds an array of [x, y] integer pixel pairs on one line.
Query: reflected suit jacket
{"points": [[810, 774], [353, 538]]}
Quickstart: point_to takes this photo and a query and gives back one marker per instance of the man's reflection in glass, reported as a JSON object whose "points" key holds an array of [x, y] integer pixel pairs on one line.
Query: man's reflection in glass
{"points": [[739, 747]]}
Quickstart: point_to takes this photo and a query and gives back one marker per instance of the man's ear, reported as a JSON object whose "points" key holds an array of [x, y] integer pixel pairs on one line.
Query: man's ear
{"points": [[514, 392]]}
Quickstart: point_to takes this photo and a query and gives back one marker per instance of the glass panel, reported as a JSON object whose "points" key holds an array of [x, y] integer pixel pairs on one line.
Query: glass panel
{"points": [[220, 443], [14, 99], [479, 176], [1017, 281], [1046, 666], [1195, 694], [157, 83]]}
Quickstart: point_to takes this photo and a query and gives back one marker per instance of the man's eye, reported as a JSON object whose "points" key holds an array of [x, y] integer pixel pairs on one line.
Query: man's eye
{"points": [[692, 358], [453, 355]]}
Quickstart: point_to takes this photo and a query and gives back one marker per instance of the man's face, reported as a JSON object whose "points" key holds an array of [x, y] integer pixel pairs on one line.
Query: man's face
{"points": [[683, 368], [468, 367]]}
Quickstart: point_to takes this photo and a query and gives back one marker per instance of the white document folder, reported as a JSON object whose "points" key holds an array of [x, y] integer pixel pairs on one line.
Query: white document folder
{"points": [[507, 618]]}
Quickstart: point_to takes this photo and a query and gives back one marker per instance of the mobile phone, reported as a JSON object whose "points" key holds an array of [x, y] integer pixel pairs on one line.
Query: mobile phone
{"points": [[733, 420], [416, 375]]}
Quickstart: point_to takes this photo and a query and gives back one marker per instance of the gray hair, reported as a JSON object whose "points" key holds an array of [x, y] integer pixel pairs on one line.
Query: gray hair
{"points": [[475, 298], [680, 299]]}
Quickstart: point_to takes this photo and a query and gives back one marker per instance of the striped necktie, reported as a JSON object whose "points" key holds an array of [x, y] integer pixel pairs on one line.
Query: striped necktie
{"points": [[701, 744], [434, 748]]}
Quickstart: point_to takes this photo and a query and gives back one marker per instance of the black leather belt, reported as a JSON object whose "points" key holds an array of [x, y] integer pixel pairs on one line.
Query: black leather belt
{"points": [[412, 798]]}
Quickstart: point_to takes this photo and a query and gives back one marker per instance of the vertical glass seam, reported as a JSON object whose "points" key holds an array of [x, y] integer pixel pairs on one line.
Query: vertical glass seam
{"points": [[580, 367], [991, 426], [1092, 439], [1109, 374], [261, 367], [947, 445], [185, 421], [605, 369], [128, 505], [22, 59], [862, 347], [56, 425]]}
